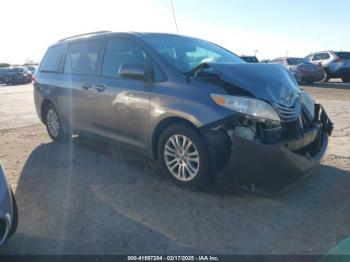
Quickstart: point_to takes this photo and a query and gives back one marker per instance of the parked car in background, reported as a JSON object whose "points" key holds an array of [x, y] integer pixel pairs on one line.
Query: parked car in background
{"points": [[31, 68], [302, 70], [184, 102], [15, 75], [335, 63], [8, 209], [3, 75], [250, 59]]}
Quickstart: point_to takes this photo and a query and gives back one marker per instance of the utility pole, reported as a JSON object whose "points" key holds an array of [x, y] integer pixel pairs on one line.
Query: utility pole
{"points": [[172, 8]]}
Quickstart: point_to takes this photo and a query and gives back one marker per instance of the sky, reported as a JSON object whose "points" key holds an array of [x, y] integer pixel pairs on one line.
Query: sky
{"points": [[272, 28]]}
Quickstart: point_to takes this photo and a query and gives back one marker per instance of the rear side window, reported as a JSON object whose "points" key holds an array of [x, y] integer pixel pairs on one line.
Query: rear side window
{"points": [[320, 56], [119, 52], [52, 59], [82, 58]]}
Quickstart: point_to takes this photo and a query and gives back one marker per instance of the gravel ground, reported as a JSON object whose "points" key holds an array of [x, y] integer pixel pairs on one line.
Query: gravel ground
{"points": [[89, 198]]}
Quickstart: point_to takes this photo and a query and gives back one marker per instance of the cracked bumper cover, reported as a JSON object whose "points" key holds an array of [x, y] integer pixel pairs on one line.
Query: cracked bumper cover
{"points": [[274, 167]]}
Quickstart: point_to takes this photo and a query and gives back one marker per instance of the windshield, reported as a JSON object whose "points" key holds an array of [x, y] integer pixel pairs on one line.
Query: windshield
{"points": [[186, 53], [297, 61]]}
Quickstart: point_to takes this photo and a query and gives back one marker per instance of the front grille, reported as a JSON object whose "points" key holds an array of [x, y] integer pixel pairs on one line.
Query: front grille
{"points": [[288, 114]]}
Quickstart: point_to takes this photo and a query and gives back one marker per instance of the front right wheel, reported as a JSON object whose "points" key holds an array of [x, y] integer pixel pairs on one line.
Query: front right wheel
{"points": [[183, 156], [326, 76]]}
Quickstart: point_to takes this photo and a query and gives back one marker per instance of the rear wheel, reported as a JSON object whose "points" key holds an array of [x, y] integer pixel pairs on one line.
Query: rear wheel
{"points": [[183, 157], [14, 217], [326, 76], [345, 79], [54, 125]]}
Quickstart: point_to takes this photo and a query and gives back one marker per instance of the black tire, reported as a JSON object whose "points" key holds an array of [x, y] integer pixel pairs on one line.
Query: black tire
{"points": [[346, 79], [61, 136], [203, 175], [326, 76], [14, 217]]}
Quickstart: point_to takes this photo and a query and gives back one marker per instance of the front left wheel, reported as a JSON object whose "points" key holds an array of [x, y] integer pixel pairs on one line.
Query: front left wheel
{"points": [[183, 156]]}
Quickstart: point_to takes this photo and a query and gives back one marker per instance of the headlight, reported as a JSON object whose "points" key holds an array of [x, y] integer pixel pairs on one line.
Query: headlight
{"points": [[248, 106]]}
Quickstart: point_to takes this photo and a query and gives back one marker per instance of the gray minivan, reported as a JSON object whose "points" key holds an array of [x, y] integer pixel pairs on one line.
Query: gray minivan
{"points": [[194, 106]]}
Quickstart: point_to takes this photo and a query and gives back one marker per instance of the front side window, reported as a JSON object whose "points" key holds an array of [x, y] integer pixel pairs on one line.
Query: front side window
{"points": [[82, 58], [52, 59], [320, 56], [119, 52], [185, 53], [326, 56], [317, 57], [158, 74]]}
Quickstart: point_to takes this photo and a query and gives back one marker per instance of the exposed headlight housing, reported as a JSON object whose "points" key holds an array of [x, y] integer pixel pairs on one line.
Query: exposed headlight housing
{"points": [[250, 107]]}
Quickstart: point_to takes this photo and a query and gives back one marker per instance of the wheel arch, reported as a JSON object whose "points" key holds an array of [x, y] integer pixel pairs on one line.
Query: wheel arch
{"points": [[162, 125], [43, 106]]}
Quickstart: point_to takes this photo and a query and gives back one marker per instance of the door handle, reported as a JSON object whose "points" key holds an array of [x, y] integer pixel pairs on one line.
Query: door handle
{"points": [[86, 86], [100, 87]]}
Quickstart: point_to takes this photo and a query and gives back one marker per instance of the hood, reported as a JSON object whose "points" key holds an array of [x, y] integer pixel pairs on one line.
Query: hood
{"points": [[269, 82]]}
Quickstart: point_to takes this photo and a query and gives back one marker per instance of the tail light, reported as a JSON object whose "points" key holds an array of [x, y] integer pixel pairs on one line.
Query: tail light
{"points": [[33, 78]]}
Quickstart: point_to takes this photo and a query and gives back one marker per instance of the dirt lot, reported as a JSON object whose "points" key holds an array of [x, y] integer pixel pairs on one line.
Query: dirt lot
{"points": [[87, 198]]}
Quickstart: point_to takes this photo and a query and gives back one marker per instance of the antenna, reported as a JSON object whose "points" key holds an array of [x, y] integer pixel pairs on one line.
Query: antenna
{"points": [[172, 7]]}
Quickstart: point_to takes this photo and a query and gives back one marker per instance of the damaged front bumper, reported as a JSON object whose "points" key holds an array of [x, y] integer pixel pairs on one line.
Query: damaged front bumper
{"points": [[268, 167]]}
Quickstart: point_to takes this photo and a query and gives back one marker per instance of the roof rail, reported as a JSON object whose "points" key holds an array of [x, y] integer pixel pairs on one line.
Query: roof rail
{"points": [[91, 33]]}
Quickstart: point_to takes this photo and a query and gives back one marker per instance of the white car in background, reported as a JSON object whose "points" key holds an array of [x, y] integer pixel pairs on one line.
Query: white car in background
{"points": [[335, 63]]}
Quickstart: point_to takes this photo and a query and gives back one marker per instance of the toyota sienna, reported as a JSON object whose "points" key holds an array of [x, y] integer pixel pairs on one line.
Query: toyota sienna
{"points": [[197, 108]]}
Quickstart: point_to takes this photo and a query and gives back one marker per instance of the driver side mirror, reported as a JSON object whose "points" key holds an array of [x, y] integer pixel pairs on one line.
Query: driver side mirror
{"points": [[132, 71]]}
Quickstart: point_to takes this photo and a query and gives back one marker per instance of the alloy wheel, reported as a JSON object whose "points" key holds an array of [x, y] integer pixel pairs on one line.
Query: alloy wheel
{"points": [[53, 123], [181, 157]]}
